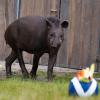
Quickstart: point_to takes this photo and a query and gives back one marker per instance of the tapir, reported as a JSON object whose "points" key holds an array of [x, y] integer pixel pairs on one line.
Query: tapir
{"points": [[36, 35]]}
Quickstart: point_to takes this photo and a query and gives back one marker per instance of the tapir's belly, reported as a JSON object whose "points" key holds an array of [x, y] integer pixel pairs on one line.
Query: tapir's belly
{"points": [[31, 45]]}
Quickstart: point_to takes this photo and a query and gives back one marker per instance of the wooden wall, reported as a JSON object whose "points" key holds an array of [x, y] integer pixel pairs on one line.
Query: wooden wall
{"points": [[7, 15], [82, 46], [35, 7], [81, 38], [2, 27]]}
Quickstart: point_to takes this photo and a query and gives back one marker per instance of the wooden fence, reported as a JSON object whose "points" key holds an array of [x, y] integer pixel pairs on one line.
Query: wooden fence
{"points": [[84, 16], [81, 38]]}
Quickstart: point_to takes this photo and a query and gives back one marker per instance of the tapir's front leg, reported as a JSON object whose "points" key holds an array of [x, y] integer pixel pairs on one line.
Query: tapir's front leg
{"points": [[35, 65], [52, 60]]}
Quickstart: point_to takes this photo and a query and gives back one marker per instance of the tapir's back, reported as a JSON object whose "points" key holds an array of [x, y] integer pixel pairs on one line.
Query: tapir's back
{"points": [[31, 24], [26, 33]]}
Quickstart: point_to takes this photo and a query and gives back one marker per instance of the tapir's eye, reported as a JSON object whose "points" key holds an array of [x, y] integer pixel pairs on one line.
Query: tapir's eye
{"points": [[52, 35], [62, 37]]}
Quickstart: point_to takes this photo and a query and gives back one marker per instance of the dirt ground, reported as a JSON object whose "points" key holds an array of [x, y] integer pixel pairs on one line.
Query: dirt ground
{"points": [[16, 69]]}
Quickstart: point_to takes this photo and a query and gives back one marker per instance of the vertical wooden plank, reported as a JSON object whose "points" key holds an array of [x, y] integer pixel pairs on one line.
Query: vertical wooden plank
{"points": [[88, 32], [47, 7], [39, 7], [7, 15], [76, 46], [25, 5], [2, 28], [64, 15], [71, 34], [81, 50], [97, 13], [10, 16], [95, 32], [83, 31], [35, 7], [58, 8], [90, 15], [10, 9]]}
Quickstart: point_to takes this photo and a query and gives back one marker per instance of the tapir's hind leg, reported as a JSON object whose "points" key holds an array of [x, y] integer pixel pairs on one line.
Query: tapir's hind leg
{"points": [[21, 63], [35, 65], [9, 60]]}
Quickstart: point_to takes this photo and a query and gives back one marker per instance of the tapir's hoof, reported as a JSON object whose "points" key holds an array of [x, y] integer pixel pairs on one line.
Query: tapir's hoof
{"points": [[8, 75], [25, 76], [33, 76], [50, 79]]}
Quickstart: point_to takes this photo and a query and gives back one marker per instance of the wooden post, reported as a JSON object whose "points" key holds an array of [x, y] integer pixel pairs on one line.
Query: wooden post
{"points": [[53, 7]]}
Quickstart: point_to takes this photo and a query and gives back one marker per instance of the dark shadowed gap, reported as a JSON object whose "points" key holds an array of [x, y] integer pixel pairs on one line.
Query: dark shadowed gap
{"points": [[18, 6]]}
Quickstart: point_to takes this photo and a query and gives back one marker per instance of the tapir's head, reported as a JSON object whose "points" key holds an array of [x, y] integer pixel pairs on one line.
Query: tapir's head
{"points": [[55, 31]]}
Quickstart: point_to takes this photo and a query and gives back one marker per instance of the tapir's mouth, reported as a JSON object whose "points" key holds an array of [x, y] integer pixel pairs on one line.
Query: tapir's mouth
{"points": [[54, 50], [53, 45]]}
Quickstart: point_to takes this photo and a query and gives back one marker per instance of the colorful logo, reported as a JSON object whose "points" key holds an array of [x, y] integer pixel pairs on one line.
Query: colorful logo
{"points": [[84, 84]]}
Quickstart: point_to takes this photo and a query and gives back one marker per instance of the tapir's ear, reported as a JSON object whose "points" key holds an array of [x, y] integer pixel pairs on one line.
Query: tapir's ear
{"points": [[64, 24], [49, 23]]}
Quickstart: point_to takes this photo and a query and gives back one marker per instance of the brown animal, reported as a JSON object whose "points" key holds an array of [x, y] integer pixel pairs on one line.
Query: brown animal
{"points": [[36, 35]]}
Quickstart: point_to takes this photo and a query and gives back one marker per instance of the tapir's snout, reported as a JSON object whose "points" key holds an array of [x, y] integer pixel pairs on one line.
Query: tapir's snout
{"points": [[55, 43]]}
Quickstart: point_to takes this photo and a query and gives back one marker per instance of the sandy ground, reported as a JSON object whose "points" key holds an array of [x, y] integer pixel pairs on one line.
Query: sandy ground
{"points": [[16, 69]]}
